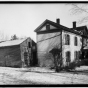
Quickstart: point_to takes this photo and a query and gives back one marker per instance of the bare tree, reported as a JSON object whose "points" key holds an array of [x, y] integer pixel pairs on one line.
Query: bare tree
{"points": [[77, 9], [57, 57]]}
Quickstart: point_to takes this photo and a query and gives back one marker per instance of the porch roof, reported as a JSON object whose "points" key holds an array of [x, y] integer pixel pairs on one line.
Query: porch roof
{"points": [[85, 48]]}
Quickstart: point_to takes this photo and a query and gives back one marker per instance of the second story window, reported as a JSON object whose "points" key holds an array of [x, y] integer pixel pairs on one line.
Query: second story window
{"points": [[75, 41], [67, 39]]}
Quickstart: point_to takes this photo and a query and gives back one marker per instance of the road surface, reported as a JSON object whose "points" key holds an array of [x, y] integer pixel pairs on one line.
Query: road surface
{"points": [[10, 76]]}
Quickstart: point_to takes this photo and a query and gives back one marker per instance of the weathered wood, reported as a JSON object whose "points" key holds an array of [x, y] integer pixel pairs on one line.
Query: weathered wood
{"points": [[10, 56], [24, 47], [20, 55]]}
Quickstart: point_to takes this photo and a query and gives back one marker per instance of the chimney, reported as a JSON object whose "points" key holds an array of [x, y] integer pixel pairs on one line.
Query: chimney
{"points": [[58, 21], [74, 24]]}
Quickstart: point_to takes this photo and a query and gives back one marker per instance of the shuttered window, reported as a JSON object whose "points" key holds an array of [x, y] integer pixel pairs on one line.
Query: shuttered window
{"points": [[67, 39], [75, 41], [68, 54], [76, 55]]}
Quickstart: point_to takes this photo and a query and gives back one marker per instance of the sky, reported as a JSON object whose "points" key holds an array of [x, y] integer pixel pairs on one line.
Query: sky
{"points": [[23, 19]]}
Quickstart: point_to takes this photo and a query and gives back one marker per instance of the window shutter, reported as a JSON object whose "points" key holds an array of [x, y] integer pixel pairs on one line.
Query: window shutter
{"points": [[76, 55], [68, 56], [75, 41], [67, 39]]}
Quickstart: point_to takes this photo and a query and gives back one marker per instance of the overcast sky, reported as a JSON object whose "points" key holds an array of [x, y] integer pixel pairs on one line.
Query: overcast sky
{"points": [[23, 19]]}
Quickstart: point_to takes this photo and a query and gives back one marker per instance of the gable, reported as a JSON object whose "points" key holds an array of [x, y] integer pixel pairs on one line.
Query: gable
{"points": [[58, 27], [44, 27]]}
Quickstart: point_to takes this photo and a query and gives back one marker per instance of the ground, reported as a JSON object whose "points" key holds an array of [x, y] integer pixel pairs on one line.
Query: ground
{"points": [[37, 75]]}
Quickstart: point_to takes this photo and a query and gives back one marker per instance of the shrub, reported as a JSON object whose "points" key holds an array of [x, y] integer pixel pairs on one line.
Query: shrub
{"points": [[73, 65]]}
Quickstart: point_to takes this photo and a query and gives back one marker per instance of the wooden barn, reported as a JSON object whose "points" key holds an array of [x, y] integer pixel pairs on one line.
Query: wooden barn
{"points": [[68, 41], [18, 53]]}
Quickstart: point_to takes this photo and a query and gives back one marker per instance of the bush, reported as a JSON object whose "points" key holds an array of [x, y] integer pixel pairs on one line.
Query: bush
{"points": [[84, 62], [73, 65]]}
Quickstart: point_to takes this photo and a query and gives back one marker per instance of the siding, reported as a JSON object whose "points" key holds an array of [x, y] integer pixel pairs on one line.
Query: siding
{"points": [[44, 44], [70, 47], [24, 48], [10, 56]]}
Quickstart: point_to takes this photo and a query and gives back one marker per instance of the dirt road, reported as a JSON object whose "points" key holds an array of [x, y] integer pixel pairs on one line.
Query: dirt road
{"points": [[19, 76]]}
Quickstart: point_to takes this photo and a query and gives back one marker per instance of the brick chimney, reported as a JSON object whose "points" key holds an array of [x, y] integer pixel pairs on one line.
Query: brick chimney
{"points": [[74, 24], [58, 21]]}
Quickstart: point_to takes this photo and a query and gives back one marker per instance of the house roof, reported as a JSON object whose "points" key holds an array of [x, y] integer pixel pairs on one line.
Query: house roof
{"points": [[81, 28], [60, 26], [12, 42], [50, 22], [86, 47]]}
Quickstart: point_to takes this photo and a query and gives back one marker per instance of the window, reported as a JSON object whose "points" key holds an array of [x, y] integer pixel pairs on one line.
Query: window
{"points": [[85, 42], [47, 27], [75, 41], [29, 45], [76, 54], [79, 54], [68, 56], [67, 39]]}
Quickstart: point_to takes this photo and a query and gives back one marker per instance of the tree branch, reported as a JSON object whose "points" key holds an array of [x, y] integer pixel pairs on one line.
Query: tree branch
{"points": [[77, 9]]}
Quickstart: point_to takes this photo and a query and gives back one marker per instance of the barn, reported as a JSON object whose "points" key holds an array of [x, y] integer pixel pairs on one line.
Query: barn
{"points": [[18, 53]]}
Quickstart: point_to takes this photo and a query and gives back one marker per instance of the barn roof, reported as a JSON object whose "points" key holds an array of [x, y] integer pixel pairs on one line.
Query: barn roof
{"points": [[12, 42], [86, 47]]}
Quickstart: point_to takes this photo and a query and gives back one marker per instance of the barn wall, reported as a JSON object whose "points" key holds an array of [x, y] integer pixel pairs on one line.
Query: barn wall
{"points": [[24, 48], [72, 48], [10, 56], [34, 53], [44, 44]]}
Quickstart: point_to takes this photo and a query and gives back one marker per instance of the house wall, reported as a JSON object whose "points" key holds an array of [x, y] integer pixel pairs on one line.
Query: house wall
{"points": [[25, 48], [10, 56], [70, 47], [44, 44]]}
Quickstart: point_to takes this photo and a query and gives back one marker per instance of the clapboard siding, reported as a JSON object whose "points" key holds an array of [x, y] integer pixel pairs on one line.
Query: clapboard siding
{"points": [[10, 56], [45, 42], [72, 48], [14, 56], [25, 48]]}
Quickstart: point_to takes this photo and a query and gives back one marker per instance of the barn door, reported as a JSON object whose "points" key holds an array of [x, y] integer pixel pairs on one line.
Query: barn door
{"points": [[26, 58]]}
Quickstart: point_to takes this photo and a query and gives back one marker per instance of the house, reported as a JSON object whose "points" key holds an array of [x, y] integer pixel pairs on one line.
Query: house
{"points": [[84, 34], [52, 34], [18, 53]]}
